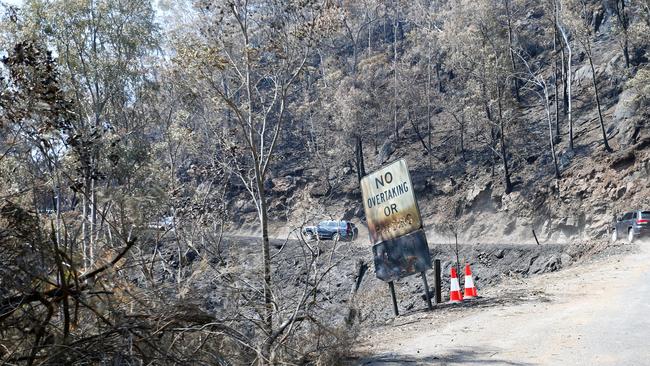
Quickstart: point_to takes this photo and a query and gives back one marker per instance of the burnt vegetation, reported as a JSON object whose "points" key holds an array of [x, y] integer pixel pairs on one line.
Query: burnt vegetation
{"points": [[137, 140]]}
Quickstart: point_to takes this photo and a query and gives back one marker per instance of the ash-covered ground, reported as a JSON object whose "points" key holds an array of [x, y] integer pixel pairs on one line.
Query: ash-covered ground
{"points": [[209, 276]]}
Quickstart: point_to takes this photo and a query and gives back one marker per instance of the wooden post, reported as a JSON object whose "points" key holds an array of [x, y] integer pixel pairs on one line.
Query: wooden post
{"points": [[391, 286], [426, 290], [437, 280]]}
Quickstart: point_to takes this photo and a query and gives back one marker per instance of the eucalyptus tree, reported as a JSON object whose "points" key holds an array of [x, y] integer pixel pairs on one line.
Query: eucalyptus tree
{"points": [[428, 55], [579, 17], [534, 80], [102, 48], [559, 16], [478, 52], [249, 56]]}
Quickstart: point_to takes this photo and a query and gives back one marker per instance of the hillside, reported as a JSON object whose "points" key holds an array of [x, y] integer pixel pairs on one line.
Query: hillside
{"points": [[594, 186], [159, 159]]}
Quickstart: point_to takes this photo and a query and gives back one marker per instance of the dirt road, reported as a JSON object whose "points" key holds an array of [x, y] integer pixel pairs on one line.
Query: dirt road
{"points": [[591, 314]]}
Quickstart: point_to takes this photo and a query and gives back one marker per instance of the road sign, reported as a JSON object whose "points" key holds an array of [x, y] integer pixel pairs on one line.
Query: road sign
{"points": [[389, 202], [395, 227], [401, 257]]}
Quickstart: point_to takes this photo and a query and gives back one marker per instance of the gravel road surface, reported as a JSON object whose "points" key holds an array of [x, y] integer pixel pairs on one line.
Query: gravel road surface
{"points": [[591, 314]]}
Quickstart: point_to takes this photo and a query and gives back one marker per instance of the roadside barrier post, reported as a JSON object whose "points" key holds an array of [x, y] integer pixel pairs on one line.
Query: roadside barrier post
{"points": [[437, 280]]}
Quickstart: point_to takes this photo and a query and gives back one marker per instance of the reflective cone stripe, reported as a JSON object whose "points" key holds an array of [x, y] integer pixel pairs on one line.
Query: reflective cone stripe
{"points": [[454, 288], [470, 289]]}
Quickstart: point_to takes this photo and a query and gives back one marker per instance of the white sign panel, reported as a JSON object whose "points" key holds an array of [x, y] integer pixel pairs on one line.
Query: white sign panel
{"points": [[389, 202]]}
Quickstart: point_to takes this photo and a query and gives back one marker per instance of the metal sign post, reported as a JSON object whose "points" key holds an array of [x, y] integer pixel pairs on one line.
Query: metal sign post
{"points": [[391, 287], [427, 295], [400, 246]]}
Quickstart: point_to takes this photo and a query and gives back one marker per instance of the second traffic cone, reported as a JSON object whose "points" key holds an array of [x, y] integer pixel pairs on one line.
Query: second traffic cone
{"points": [[470, 289], [454, 288]]}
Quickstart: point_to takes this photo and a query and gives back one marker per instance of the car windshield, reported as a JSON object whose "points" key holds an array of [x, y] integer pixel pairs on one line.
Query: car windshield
{"points": [[645, 215]]}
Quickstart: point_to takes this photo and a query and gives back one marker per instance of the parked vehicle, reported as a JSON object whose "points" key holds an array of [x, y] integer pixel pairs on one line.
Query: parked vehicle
{"points": [[164, 224], [334, 230], [632, 224]]}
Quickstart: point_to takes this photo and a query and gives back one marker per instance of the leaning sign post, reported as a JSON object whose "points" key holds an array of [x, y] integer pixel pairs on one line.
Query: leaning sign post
{"points": [[395, 227]]}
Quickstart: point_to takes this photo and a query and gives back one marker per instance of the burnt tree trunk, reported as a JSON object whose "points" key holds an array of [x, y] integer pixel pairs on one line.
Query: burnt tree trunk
{"points": [[395, 25], [600, 113], [358, 152], [623, 20], [504, 153], [512, 54], [555, 70]]}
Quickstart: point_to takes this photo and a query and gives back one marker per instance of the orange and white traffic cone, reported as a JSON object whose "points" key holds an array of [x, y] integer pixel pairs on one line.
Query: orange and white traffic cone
{"points": [[470, 289], [454, 288]]}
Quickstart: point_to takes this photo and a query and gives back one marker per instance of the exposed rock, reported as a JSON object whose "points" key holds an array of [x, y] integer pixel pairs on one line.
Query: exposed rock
{"points": [[565, 159], [569, 221], [620, 192], [511, 201], [581, 192], [643, 143], [622, 160], [582, 74], [628, 103], [549, 265], [283, 185], [476, 190], [319, 189], [627, 117], [386, 150], [480, 197], [246, 206]]}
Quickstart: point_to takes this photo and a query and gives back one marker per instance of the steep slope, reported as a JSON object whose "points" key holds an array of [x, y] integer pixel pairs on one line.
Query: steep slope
{"points": [[466, 188]]}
